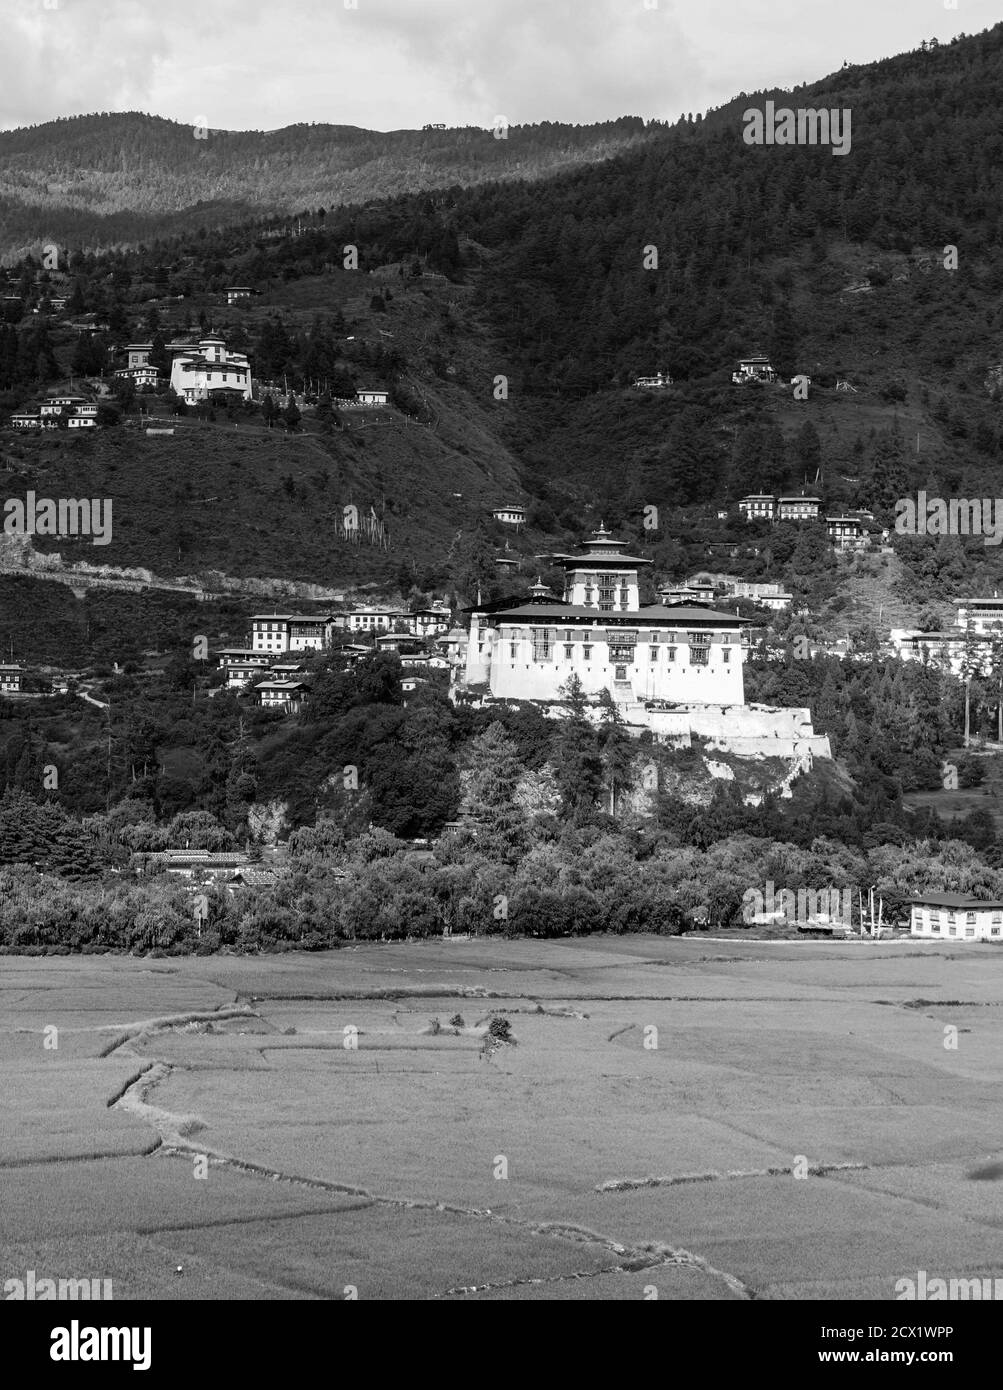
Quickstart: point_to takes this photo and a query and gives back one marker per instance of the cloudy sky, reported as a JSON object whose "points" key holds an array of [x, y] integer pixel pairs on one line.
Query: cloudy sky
{"points": [[387, 64]]}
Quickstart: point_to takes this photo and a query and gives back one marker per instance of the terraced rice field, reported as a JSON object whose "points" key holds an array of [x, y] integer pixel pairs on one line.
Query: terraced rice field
{"points": [[317, 1127]]}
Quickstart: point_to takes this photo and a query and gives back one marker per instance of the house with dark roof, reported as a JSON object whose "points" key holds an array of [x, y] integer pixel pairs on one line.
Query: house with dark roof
{"points": [[938, 916], [599, 632]]}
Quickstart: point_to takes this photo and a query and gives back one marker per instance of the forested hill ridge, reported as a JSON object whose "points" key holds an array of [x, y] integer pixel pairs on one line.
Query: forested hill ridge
{"points": [[122, 177]]}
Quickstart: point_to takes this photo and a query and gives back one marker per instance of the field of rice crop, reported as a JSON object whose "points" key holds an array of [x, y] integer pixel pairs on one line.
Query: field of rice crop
{"points": [[487, 1119]]}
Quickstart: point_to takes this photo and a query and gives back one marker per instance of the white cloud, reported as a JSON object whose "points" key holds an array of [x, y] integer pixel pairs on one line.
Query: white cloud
{"points": [[392, 63]]}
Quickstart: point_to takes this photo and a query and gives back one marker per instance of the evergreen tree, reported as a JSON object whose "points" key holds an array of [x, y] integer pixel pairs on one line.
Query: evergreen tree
{"points": [[579, 769], [617, 749], [889, 479], [489, 806]]}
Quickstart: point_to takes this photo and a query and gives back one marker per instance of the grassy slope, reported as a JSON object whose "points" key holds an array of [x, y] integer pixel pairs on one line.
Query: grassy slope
{"points": [[408, 473]]}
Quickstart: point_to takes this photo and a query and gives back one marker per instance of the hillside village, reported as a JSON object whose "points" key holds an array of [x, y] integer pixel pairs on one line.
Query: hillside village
{"points": [[356, 453]]}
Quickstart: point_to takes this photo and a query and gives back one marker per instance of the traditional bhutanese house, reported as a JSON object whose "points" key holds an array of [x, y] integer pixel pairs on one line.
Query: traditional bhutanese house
{"points": [[192, 863], [510, 515], [758, 506], [947, 651], [766, 595], [228, 655], [599, 632], [291, 632], [696, 592], [351, 652], [26, 420], [240, 674], [372, 396], [10, 679], [140, 376], [137, 355], [985, 614], [392, 641], [956, 917], [798, 508], [753, 369], [845, 532], [208, 368], [428, 622], [287, 695], [375, 619]]}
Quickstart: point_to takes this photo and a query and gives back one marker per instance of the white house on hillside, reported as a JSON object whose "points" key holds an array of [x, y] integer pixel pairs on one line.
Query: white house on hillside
{"points": [[291, 632], [512, 515], [209, 366], [753, 369], [985, 614]]}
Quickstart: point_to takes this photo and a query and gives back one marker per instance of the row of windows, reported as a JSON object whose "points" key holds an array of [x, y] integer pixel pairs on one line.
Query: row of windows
{"points": [[952, 929], [996, 919], [698, 656], [695, 639]]}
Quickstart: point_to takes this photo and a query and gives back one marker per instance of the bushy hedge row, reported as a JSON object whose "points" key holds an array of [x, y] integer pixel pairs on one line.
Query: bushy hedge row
{"points": [[376, 888]]}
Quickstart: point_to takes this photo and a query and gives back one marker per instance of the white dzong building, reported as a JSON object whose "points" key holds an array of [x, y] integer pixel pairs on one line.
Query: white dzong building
{"points": [[209, 366], [598, 630]]}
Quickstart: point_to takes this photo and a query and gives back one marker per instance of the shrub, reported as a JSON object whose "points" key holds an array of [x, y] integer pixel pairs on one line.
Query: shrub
{"points": [[500, 1029]]}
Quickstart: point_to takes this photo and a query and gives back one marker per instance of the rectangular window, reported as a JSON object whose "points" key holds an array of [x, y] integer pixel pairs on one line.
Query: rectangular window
{"points": [[653, 653], [513, 651], [672, 653], [621, 673], [997, 918], [541, 644], [970, 919], [569, 652], [587, 652], [699, 656], [726, 656]]}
